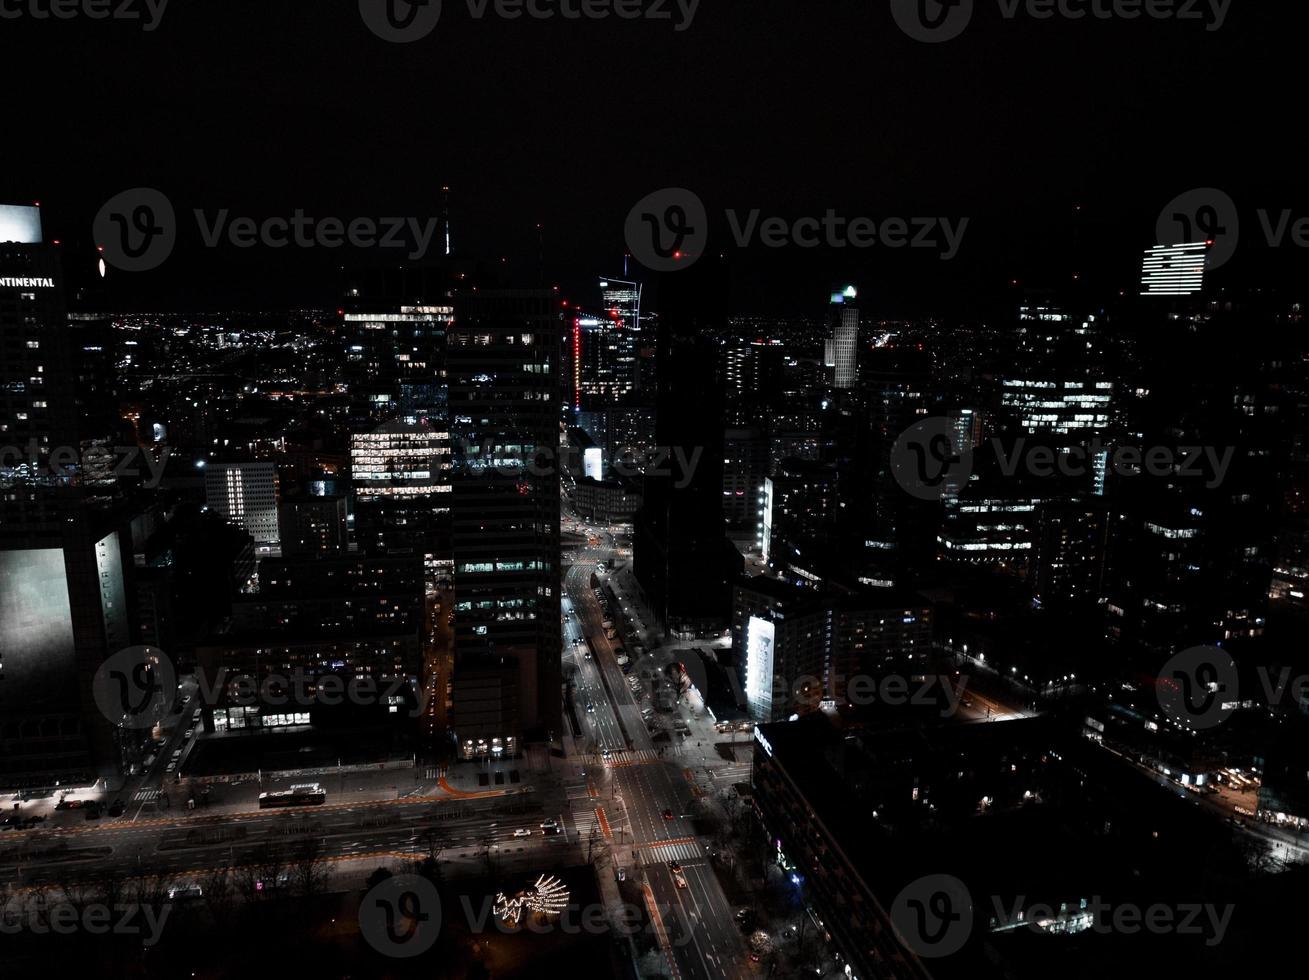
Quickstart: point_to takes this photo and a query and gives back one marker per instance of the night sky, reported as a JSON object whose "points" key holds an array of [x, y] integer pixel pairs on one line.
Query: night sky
{"points": [[793, 108]]}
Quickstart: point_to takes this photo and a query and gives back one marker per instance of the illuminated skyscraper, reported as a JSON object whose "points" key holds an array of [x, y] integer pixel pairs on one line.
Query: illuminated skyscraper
{"points": [[245, 494], [503, 360], [845, 339], [400, 474]]}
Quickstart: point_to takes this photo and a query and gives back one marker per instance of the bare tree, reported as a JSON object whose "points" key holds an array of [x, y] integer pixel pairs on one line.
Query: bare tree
{"points": [[219, 887], [309, 867], [264, 869]]}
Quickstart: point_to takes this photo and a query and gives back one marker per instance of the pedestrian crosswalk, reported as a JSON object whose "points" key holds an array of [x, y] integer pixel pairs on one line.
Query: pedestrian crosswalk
{"points": [[640, 757], [146, 796], [661, 852]]}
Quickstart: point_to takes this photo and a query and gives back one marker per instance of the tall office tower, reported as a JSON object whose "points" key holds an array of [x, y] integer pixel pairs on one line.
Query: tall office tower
{"points": [[1067, 405], [1068, 565], [621, 300], [745, 468], [897, 391], [753, 377], [799, 646], [601, 352], [395, 364], [312, 527], [503, 362], [1191, 545], [681, 554], [62, 596], [845, 339], [246, 495], [347, 615], [401, 480]]}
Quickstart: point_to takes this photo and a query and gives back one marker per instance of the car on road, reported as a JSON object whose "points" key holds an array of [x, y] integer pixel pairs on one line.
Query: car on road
{"points": [[668, 814], [550, 826], [622, 874], [190, 733], [679, 878], [170, 767], [522, 832], [590, 707], [606, 754]]}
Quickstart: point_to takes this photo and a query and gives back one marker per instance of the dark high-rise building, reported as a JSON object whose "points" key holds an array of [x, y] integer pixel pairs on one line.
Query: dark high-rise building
{"points": [[63, 605], [1068, 565], [681, 553], [503, 363], [312, 526]]}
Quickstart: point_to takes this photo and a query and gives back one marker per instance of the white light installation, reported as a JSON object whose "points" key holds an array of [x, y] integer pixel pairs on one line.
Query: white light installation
{"points": [[549, 896], [1174, 270]]}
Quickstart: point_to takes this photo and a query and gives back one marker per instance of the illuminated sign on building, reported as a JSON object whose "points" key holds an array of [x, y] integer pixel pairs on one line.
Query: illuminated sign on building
{"points": [[22, 282], [1174, 270], [759, 737], [760, 636], [593, 461]]}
